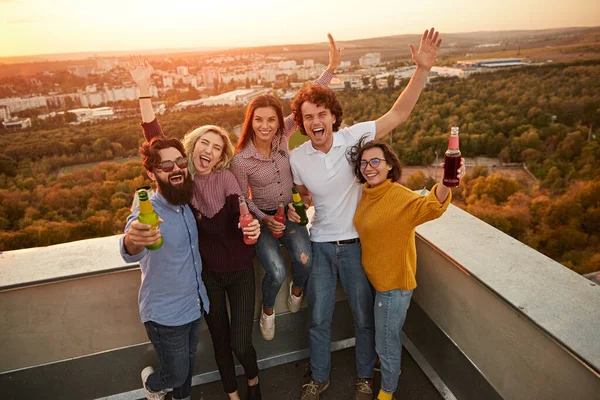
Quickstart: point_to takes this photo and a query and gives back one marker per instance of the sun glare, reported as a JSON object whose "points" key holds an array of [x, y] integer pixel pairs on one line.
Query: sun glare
{"points": [[41, 26]]}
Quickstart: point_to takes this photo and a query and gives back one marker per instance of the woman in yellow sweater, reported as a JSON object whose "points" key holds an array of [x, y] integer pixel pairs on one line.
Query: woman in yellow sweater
{"points": [[385, 219]]}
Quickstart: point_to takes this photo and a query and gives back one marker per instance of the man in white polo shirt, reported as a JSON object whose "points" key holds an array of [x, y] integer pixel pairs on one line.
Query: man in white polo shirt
{"points": [[322, 173]]}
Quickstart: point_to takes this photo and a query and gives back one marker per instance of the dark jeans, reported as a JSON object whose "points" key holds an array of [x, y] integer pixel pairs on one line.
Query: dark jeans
{"points": [[176, 349], [233, 337]]}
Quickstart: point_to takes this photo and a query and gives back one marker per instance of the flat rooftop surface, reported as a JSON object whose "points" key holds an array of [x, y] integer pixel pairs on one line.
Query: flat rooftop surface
{"points": [[284, 382]]}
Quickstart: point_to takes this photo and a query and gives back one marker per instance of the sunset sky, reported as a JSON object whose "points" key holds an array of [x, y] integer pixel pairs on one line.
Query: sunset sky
{"points": [[62, 26]]}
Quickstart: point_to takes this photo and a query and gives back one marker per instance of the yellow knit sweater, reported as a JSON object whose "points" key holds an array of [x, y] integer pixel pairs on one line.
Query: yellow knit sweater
{"points": [[385, 219]]}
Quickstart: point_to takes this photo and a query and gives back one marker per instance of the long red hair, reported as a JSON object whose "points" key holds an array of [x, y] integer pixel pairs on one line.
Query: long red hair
{"points": [[264, 100]]}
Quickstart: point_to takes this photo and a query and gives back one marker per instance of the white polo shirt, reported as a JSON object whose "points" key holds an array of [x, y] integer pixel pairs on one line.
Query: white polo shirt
{"points": [[334, 188]]}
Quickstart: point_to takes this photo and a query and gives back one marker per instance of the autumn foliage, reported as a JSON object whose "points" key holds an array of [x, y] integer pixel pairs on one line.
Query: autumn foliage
{"points": [[544, 117]]}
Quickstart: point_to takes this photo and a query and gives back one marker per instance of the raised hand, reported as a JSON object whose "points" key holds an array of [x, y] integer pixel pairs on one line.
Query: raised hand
{"points": [[140, 71], [428, 49], [461, 171], [335, 54]]}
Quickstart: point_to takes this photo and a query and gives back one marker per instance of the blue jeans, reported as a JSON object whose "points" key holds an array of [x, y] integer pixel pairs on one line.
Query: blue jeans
{"points": [[176, 349], [390, 314], [295, 238], [329, 262]]}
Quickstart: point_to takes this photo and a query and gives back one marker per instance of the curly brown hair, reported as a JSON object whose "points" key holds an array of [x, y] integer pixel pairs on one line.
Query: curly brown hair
{"points": [[149, 150], [354, 156], [321, 96]]}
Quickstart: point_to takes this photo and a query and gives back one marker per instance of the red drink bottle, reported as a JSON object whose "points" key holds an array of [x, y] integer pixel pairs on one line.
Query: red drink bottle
{"points": [[245, 219], [279, 217], [452, 160]]}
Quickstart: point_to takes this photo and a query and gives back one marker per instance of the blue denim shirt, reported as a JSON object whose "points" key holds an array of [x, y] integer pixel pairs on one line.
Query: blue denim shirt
{"points": [[172, 292]]}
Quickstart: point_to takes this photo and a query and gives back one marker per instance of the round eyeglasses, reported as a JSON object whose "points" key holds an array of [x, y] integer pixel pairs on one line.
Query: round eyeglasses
{"points": [[373, 162]]}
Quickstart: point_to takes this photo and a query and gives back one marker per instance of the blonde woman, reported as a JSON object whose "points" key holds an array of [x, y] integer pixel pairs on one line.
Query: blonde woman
{"points": [[226, 259]]}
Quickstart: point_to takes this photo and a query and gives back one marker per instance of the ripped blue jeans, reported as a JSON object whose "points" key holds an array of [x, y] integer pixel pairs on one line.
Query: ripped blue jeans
{"points": [[295, 239]]}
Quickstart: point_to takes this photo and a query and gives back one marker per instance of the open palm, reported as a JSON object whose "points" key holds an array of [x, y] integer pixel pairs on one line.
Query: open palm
{"points": [[140, 70], [428, 49]]}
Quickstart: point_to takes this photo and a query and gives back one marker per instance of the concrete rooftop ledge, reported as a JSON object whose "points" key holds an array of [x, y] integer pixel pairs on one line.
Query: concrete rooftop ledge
{"points": [[65, 261], [561, 302], [62, 261]]}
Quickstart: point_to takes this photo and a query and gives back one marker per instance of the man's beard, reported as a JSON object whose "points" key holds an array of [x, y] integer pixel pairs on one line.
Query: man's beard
{"points": [[179, 194]]}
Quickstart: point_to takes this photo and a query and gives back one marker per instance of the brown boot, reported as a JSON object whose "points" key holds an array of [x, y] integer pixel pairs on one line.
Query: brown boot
{"points": [[313, 389], [364, 389]]}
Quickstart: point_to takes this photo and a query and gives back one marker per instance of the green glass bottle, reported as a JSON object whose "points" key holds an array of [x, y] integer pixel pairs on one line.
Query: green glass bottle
{"points": [[299, 207], [148, 216]]}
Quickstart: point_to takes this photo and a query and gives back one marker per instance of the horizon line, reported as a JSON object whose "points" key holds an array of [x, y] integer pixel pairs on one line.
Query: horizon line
{"points": [[221, 48]]}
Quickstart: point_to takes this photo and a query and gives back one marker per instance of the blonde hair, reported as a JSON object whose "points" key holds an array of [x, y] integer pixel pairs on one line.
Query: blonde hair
{"points": [[190, 139]]}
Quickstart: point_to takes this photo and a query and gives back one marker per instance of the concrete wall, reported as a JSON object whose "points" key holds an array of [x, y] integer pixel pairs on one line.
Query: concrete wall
{"points": [[530, 325], [518, 358], [56, 321], [76, 317]]}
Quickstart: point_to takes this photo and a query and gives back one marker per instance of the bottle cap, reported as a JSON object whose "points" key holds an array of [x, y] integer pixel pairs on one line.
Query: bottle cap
{"points": [[296, 197]]}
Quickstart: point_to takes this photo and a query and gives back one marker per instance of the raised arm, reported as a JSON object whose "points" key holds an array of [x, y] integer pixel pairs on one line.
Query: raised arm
{"points": [[335, 57], [405, 103], [141, 71]]}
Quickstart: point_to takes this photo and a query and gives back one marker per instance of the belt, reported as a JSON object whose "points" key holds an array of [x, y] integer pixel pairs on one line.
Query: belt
{"points": [[270, 212], [347, 241]]}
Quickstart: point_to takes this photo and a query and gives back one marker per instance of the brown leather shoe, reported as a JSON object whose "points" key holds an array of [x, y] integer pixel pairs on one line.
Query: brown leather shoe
{"points": [[313, 389], [364, 389]]}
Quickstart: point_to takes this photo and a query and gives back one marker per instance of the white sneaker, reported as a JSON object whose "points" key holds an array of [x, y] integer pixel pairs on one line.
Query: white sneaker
{"points": [[146, 372], [267, 325], [294, 303]]}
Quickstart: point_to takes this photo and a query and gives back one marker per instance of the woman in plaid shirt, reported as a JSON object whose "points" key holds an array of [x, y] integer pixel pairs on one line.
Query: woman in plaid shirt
{"points": [[262, 168]]}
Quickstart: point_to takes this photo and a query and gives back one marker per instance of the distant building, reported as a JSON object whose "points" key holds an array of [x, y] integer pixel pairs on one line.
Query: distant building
{"points": [[168, 81], [485, 45], [93, 97], [105, 64], [345, 64], [81, 71], [92, 114], [190, 80], [238, 97], [183, 71], [447, 71], [209, 76], [50, 115], [308, 63], [336, 85], [268, 75], [15, 104], [57, 100], [4, 113], [289, 64], [370, 59], [492, 63], [15, 123]]}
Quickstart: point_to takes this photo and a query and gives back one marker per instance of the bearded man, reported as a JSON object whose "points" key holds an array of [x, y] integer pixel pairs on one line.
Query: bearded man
{"points": [[172, 295]]}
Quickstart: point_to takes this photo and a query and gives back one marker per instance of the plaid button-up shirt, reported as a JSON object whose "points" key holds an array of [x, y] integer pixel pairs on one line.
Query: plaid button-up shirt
{"points": [[264, 181]]}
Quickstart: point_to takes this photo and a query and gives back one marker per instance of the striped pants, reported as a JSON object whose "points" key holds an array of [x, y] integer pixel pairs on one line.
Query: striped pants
{"points": [[233, 337]]}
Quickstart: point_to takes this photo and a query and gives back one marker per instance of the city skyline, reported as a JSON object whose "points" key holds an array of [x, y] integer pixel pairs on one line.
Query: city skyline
{"points": [[32, 27]]}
